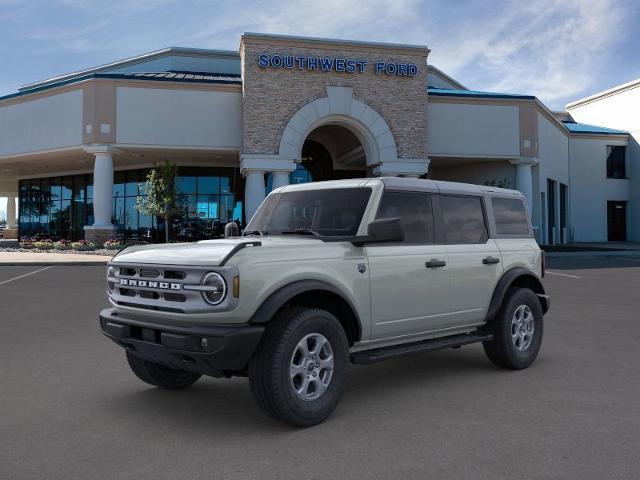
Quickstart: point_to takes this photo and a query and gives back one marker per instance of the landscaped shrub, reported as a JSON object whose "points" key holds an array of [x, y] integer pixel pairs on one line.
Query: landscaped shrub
{"points": [[112, 244], [43, 244], [83, 245], [25, 242], [62, 245]]}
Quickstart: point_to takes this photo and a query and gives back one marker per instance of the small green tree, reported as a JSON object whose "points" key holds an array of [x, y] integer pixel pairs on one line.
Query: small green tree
{"points": [[160, 193]]}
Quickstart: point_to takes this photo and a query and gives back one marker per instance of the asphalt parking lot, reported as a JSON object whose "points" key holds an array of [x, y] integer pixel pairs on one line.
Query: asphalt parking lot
{"points": [[71, 409]]}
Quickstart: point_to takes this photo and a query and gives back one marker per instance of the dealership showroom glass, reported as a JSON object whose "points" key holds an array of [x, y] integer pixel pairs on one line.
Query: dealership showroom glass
{"points": [[75, 149]]}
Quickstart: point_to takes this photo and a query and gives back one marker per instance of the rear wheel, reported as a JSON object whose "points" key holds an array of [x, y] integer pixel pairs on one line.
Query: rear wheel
{"points": [[517, 330], [159, 375], [297, 374]]}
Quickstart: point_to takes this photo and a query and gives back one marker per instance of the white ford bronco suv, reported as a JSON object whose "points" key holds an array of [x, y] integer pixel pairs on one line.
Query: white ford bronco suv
{"points": [[332, 273]]}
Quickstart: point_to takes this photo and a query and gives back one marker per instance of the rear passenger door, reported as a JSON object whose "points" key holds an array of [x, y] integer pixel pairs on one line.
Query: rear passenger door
{"points": [[475, 264], [409, 279]]}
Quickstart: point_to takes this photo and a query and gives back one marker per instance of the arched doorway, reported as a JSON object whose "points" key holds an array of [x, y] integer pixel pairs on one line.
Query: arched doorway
{"points": [[333, 152]]}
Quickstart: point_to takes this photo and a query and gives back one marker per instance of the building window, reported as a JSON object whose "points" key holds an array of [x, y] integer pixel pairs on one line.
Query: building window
{"points": [[60, 207], [616, 161]]}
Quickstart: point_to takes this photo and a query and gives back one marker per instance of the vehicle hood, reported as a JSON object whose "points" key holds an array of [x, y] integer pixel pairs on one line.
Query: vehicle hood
{"points": [[206, 252]]}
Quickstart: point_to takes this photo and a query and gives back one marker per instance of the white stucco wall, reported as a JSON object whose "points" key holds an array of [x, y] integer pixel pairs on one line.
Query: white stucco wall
{"points": [[463, 129], [621, 111], [590, 189], [42, 124], [477, 173], [189, 118]]}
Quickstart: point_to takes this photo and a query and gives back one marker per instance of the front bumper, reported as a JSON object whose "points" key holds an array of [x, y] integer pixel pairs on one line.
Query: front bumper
{"points": [[214, 350]]}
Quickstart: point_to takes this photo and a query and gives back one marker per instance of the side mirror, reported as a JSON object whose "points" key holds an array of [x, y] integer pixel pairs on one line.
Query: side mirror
{"points": [[385, 230]]}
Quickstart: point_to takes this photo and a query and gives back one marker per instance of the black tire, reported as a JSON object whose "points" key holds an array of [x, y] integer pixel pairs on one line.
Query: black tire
{"points": [[269, 374], [159, 375], [501, 350]]}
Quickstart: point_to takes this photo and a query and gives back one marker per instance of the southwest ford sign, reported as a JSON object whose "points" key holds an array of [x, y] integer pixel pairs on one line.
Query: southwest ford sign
{"points": [[336, 64]]}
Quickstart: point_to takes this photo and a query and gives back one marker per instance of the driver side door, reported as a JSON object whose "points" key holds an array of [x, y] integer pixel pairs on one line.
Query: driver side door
{"points": [[409, 280]]}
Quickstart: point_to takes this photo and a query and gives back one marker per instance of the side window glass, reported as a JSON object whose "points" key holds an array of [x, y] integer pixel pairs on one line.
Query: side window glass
{"points": [[414, 209], [463, 219], [510, 216]]}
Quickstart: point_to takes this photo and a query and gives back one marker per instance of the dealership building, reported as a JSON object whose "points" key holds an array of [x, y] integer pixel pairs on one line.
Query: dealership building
{"points": [[75, 150]]}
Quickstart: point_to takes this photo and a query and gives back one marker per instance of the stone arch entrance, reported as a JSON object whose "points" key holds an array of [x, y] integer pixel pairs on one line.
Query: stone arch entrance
{"points": [[339, 110], [322, 121]]}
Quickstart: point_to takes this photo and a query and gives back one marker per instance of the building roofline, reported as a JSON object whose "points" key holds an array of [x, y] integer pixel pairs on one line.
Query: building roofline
{"points": [[131, 61], [335, 41], [447, 77], [604, 93], [121, 76], [445, 92]]}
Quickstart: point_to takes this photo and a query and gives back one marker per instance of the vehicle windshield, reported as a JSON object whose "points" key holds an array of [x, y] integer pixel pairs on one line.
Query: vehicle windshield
{"points": [[326, 212]]}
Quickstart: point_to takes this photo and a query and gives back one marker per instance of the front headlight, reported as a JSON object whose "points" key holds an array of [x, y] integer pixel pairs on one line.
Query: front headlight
{"points": [[111, 277], [214, 288]]}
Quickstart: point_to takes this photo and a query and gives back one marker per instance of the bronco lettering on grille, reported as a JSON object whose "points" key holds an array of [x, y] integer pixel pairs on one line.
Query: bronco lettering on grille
{"points": [[149, 284]]}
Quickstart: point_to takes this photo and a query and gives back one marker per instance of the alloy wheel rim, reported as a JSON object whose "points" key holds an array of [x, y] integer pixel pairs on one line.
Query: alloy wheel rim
{"points": [[522, 327], [311, 367]]}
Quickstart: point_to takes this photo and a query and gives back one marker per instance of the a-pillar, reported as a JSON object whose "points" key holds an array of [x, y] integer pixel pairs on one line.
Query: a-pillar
{"points": [[524, 178], [102, 229]]}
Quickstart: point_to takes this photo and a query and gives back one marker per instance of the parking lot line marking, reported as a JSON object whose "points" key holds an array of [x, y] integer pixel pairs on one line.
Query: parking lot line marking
{"points": [[25, 275], [563, 274]]}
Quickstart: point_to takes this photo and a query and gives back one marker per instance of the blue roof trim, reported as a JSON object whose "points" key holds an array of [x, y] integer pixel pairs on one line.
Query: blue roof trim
{"points": [[575, 127], [445, 92], [226, 79]]}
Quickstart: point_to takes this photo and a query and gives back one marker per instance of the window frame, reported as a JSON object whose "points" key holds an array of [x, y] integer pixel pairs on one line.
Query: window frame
{"points": [[438, 238], [494, 228], [485, 217], [608, 150]]}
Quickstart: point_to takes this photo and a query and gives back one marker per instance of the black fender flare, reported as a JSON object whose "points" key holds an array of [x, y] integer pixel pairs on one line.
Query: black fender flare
{"points": [[505, 282], [280, 297]]}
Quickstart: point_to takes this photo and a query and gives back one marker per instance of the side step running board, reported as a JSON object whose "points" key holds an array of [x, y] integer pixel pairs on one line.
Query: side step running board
{"points": [[431, 345]]}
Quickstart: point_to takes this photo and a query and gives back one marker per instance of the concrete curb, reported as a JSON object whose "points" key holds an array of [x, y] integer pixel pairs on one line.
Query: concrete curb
{"points": [[617, 253], [73, 263]]}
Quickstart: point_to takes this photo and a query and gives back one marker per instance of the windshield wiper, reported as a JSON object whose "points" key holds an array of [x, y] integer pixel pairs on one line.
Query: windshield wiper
{"points": [[301, 231], [254, 232]]}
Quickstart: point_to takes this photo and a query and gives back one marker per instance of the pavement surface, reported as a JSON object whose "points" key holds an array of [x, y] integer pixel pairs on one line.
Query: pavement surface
{"points": [[71, 409]]}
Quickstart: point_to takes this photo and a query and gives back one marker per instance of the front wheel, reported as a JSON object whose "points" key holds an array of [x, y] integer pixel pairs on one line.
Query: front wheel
{"points": [[297, 375], [517, 330]]}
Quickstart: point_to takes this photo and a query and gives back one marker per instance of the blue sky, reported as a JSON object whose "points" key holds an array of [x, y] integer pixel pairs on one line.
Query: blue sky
{"points": [[558, 50]]}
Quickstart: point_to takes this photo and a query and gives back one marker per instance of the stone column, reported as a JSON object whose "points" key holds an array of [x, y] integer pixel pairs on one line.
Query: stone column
{"points": [[11, 211], [102, 228], [11, 232], [280, 179], [253, 167], [524, 178], [254, 192]]}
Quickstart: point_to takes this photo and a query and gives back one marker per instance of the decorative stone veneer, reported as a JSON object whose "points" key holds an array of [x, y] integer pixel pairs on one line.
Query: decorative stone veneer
{"points": [[272, 96]]}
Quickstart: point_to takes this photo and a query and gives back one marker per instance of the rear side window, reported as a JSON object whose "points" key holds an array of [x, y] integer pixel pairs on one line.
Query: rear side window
{"points": [[510, 216], [463, 219], [414, 209]]}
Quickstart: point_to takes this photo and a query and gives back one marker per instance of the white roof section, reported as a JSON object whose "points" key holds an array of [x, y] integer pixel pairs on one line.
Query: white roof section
{"points": [[605, 93], [137, 60]]}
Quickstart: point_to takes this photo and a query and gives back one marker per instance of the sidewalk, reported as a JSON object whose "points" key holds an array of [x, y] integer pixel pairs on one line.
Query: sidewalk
{"points": [[45, 259]]}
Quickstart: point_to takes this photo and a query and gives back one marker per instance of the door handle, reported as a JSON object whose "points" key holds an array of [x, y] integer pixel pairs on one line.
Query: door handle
{"points": [[490, 260], [435, 263]]}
